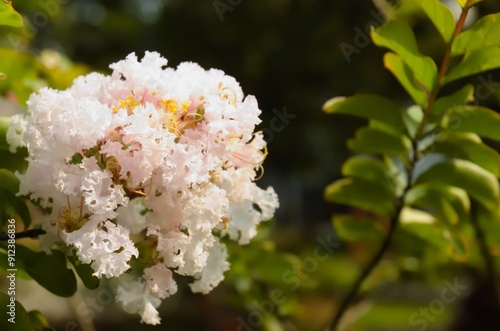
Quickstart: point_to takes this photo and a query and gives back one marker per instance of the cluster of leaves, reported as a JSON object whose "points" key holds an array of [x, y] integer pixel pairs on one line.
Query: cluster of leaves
{"points": [[425, 169], [20, 75]]}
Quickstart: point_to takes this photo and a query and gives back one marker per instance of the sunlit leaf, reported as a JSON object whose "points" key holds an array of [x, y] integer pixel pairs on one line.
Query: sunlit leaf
{"points": [[440, 15], [9, 181], [398, 37], [21, 321], [368, 140], [424, 226], [361, 194], [443, 104], [480, 120], [475, 63], [8, 15], [395, 64], [412, 117], [484, 33], [468, 146], [463, 3], [476, 181], [39, 321], [368, 106], [367, 168], [447, 203], [352, 228]]}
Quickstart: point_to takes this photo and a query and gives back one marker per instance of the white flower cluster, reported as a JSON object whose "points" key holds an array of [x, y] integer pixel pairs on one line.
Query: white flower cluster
{"points": [[150, 164]]}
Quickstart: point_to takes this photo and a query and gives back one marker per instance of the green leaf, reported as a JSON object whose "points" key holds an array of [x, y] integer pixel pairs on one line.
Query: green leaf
{"points": [[369, 140], [463, 3], [398, 37], [440, 15], [368, 106], [22, 319], [19, 264], [39, 321], [443, 104], [272, 267], [352, 228], [50, 271], [412, 117], [367, 168], [484, 33], [476, 181], [480, 120], [85, 272], [361, 194], [446, 203], [475, 63], [468, 146], [4, 126], [395, 64], [13, 207], [9, 181], [424, 226], [8, 16]]}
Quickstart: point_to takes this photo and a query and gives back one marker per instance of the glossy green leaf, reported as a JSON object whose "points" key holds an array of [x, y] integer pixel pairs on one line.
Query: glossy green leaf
{"points": [[368, 140], [475, 63], [468, 146], [60, 280], [395, 64], [440, 15], [368, 106], [361, 194], [367, 168], [424, 226], [447, 203], [398, 37], [85, 272], [412, 117], [476, 181], [21, 322], [485, 33], [443, 104], [8, 15], [480, 120], [352, 228]]}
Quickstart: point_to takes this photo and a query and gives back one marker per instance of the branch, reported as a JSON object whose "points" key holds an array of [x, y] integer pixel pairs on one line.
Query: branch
{"points": [[33, 233]]}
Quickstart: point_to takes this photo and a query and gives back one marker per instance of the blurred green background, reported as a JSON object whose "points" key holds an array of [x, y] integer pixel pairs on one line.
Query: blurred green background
{"points": [[289, 54]]}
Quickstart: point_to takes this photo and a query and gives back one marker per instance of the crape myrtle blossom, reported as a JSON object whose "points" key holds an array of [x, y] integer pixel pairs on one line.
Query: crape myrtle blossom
{"points": [[145, 171]]}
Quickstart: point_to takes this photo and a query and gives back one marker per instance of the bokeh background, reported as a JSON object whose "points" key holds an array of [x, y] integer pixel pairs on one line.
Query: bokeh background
{"points": [[290, 54]]}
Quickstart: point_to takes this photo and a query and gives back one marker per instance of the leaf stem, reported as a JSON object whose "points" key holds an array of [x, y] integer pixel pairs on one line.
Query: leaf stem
{"points": [[445, 64]]}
